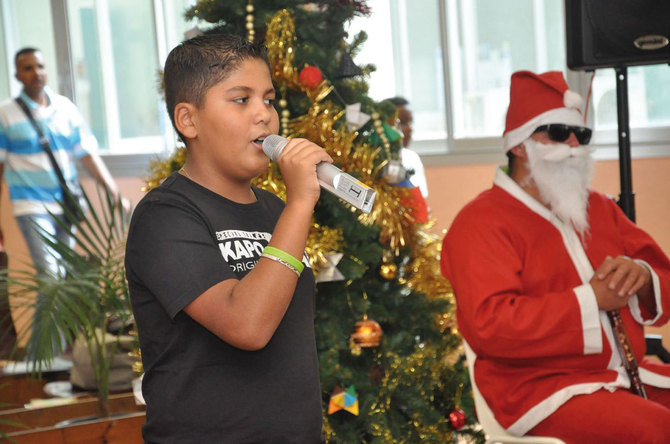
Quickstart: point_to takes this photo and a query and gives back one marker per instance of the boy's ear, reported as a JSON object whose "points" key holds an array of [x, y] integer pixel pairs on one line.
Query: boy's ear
{"points": [[185, 119]]}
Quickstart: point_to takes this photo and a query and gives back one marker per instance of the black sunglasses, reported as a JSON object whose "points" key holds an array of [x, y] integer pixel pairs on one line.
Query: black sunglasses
{"points": [[559, 132]]}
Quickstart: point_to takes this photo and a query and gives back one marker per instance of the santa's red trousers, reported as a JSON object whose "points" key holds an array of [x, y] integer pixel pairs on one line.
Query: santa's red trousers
{"points": [[611, 418]]}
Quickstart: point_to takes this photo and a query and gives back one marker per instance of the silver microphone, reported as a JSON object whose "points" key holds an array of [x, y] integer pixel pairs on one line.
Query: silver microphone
{"points": [[330, 177]]}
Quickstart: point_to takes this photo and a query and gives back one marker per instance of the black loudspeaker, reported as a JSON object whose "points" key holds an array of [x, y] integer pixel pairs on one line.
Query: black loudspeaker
{"points": [[617, 33]]}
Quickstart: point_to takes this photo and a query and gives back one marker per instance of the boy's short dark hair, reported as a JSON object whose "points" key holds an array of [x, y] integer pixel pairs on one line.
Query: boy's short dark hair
{"points": [[197, 64]]}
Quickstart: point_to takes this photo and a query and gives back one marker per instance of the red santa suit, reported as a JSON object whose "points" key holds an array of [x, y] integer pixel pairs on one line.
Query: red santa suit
{"points": [[525, 306]]}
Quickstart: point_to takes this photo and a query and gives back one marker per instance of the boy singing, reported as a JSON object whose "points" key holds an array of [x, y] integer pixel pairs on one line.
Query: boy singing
{"points": [[223, 302]]}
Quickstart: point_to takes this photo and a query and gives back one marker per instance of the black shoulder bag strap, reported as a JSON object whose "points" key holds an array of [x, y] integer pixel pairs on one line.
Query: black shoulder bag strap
{"points": [[44, 143], [69, 200]]}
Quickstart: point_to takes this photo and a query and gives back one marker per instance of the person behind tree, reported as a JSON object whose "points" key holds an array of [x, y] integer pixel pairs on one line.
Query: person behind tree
{"points": [[536, 262], [34, 187], [409, 158], [224, 308]]}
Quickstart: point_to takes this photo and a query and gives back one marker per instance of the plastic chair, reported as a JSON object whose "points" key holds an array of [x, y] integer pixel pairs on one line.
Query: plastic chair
{"points": [[655, 347], [494, 431]]}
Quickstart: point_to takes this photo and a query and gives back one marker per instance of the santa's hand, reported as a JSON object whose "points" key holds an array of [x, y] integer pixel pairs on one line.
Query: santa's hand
{"points": [[624, 275], [607, 298]]}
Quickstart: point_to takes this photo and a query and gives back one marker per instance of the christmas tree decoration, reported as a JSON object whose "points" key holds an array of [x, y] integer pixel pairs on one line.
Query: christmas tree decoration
{"points": [[444, 321], [355, 118], [193, 32], [386, 132], [347, 67], [313, 7], [285, 115], [367, 333], [322, 242], [343, 400], [422, 272], [457, 419], [415, 202], [310, 77], [394, 220], [388, 271], [159, 169], [379, 128], [328, 271], [279, 41], [394, 172], [251, 33]]}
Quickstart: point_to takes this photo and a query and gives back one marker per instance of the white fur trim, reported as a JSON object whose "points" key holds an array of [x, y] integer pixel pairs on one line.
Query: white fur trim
{"points": [[634, 302], [651, 378], [549, 405], [568, 116], [591, 328], [571, 99]]}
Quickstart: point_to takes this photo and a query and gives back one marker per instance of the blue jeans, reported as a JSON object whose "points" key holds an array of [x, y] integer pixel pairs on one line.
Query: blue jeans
{"points": [[44, 257]]}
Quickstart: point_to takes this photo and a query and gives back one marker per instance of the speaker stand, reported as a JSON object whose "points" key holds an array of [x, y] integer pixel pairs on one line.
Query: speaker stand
{"points": [[626, 197]]}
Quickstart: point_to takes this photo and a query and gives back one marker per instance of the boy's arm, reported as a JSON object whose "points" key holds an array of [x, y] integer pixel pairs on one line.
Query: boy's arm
{"points": [[245, 313], [96, 168]]}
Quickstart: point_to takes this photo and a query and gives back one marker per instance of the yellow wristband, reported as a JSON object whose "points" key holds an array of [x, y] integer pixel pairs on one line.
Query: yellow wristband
{"points": [[283, 257]]}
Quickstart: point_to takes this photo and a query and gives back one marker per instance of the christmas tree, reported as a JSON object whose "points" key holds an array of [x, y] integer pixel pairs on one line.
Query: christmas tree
{"points": [[390, 355]]}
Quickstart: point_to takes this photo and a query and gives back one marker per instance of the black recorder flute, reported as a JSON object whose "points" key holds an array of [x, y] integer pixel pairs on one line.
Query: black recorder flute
{"points": [[626, 352]]}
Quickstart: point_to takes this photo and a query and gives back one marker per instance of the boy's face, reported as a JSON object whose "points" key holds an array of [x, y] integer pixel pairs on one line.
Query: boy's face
{"points": [[236, 115]]}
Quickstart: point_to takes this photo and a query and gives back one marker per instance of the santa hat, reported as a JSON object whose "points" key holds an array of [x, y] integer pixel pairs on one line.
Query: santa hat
{"points": [[538, 99]]}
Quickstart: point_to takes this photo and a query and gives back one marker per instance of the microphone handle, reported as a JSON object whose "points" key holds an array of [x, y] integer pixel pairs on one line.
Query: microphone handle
{"points": [[345, 186]]}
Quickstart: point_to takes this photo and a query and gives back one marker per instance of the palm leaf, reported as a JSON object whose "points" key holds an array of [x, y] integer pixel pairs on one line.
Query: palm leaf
{"points": [[88, 289]]}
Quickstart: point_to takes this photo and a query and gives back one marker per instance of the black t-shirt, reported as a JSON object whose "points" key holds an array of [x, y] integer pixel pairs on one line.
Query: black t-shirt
{"points": [[184, 239]]}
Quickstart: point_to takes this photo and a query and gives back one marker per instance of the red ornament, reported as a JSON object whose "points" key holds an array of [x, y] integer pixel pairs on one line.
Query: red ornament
{"points": [[416, 205], [457, 419], [310, 76]]}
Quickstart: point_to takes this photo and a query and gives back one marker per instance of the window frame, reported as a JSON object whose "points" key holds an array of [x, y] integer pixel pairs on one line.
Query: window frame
{"points": [[128, 161], [647, 141]]}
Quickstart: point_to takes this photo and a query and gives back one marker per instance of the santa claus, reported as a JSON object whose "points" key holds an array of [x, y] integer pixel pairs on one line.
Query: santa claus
{"points": [[536, 263]]}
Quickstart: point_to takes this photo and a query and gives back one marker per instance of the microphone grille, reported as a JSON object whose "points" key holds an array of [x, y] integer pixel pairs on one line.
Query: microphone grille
{"points": [[273, 146]]}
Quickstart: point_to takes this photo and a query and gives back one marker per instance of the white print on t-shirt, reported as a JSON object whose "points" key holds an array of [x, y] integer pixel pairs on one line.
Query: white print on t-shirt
{"points": [[234, 250], [238, 234], [242, 249]]}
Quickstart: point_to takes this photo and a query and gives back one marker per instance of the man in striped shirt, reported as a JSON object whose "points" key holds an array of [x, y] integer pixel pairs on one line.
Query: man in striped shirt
{"points": [[34, 188]]}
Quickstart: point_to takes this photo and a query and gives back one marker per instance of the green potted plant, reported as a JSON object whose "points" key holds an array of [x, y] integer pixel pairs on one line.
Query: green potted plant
{"points": [[78, 302]]}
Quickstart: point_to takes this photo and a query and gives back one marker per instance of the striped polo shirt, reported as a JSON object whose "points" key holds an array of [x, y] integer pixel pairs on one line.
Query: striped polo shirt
{"points": [[33, 184]]}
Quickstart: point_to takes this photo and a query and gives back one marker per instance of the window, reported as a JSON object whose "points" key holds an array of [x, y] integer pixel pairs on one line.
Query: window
{"points": [[648, 97], [111, 65], [118, 92], [404, 43], [452, 59], [25, 24]]}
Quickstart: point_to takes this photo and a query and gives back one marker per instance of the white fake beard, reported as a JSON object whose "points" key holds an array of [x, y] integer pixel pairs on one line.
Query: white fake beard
{"points": [[562, 175]]}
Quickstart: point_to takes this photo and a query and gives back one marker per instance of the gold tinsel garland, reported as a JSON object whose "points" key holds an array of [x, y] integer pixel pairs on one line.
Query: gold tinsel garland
{"points": [[319, 125], [422, 273], [279, 40], [410, 371], [159, 169], [320, 242]]}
